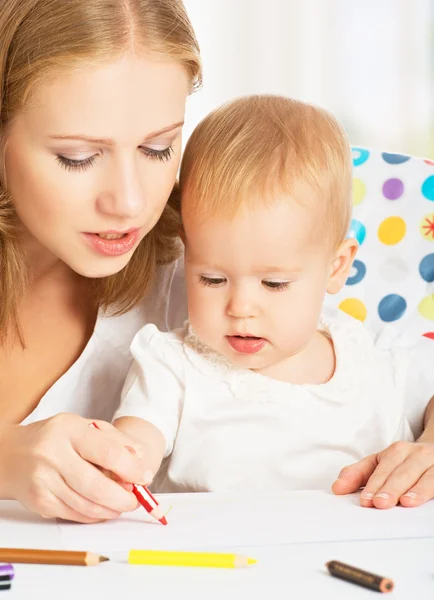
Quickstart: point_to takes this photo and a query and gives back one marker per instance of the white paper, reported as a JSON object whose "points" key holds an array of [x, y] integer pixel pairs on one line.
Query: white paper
{"points": [[21, 529], [226, 521]]}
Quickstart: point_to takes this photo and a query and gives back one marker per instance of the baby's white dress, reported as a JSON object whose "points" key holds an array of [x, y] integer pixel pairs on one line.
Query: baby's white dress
{"points": [[232, 429]]}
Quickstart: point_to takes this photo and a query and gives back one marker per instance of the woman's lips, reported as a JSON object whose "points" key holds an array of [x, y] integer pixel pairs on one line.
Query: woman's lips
{"points": [[246, 344], [117, 244]]}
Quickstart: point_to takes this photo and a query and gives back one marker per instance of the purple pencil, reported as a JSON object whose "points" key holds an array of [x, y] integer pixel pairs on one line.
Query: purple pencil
{"points": [[7, 571]]}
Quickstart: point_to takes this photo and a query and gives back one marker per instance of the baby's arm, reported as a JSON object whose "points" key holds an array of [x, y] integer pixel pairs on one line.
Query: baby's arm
{"points": [[151, 442], [153, 396]]}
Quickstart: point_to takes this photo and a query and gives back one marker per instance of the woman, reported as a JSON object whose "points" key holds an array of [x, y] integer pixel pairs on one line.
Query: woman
{"points": [[91, 118]]}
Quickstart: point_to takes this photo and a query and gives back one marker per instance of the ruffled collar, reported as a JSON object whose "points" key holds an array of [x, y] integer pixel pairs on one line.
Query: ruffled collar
{"points": [[353, 351]]}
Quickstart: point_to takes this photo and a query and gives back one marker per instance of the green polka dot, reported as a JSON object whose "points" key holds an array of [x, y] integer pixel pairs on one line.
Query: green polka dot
{"points": [[426, 307], [359, 191]]}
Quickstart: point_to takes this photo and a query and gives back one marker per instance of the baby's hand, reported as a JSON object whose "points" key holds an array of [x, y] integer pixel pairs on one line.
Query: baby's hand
{"points": [[402, 473]]}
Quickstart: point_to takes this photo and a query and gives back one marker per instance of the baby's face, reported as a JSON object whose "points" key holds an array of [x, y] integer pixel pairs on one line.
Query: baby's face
{"points": [[256, 283]]}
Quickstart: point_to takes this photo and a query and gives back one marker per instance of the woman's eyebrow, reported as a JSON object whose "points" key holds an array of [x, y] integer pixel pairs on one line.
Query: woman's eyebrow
{"points": [[110, 142]]}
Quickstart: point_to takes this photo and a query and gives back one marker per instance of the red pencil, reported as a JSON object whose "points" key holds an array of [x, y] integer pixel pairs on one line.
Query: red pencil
{"points": [[145, 498]]}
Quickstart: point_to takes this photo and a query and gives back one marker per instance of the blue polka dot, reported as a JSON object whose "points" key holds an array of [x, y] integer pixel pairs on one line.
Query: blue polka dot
{"points": [[358, 231], [426, 268], [392, 307], [428, 188], [358, 275], [360, 155], [395, 159]]}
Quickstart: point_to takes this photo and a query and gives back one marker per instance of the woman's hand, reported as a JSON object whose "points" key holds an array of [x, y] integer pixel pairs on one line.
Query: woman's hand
{"points": [[402, 473], [54, 468]]}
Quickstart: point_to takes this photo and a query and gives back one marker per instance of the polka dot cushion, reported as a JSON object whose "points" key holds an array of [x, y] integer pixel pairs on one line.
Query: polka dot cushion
{"points": [[392, 280]]}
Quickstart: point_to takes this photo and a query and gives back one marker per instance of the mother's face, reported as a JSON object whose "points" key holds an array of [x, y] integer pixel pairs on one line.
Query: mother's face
{"points": [[91, 161]]}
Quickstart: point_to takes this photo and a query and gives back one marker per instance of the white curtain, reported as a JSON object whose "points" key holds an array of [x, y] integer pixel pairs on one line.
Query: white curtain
{"points": [[370, 62]]}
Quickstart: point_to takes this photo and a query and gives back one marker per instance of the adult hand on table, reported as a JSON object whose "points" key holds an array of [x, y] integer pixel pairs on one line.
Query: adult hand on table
{"points": [[55, 468], [402, 473]]}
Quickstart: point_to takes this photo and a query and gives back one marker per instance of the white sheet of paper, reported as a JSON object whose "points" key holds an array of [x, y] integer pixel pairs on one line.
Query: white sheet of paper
{"points": [[21, 529], [227, 521]]}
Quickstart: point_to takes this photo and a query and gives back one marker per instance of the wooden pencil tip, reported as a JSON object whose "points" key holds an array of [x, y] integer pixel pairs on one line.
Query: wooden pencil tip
{"points": [[103, 558]]}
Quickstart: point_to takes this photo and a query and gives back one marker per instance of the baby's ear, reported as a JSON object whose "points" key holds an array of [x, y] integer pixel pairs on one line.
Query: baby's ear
{"points": [[341, 265]]}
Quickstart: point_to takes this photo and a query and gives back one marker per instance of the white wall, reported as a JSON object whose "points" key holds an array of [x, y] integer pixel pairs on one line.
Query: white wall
{"points": [[370, 62]]}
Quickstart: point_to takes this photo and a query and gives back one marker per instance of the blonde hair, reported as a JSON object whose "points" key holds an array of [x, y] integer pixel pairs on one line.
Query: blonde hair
{"points": [[262, 147], [40, 38]]}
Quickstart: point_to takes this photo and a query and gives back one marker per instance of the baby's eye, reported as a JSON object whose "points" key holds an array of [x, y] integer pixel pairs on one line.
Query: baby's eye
{"points": [[276, 285], [211, 281]]}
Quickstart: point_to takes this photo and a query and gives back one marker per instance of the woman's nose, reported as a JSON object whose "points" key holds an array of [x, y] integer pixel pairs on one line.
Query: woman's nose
{"points": [[123, 195]]}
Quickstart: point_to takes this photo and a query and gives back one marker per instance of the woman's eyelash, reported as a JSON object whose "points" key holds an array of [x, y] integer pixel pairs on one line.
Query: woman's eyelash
{"points": [[278, 286], [82, 165], [162, 155], [211, 281], [75, 165]]}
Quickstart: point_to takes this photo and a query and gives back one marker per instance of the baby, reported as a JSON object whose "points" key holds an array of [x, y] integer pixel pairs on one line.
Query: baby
{"points": [[260, 389]]}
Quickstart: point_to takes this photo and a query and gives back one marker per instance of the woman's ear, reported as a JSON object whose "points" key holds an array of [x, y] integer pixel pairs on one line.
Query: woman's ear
{"points": [[341, 265]]}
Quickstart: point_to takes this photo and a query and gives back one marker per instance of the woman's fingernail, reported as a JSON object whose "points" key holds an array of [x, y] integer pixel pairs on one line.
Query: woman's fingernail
{"points": [[366, 496], [412, 495], [382, 495]]}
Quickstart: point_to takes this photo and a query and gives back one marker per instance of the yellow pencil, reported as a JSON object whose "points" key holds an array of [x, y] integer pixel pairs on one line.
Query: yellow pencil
{"points": [[188, 559]]}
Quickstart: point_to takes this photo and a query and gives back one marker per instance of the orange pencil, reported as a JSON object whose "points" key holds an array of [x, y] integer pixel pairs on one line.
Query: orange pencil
{"points": [[50, 557]]}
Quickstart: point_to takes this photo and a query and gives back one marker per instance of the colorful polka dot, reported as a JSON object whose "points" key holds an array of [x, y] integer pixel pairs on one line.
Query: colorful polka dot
{"points": [[394, 269], [395, 159], [391, 230], [359, 273], [354, 307], [391, 308], [393, 189], [428, 188], [357, 231], [429, 162], [426, 268], [359, 191], [360, 155], [429, 334], [426, 307], [427, 227]]}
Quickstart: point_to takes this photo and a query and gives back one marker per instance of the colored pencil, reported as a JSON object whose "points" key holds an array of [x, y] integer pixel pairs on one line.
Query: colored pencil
{"points": [[188, 559], [145, 498], [360, 577], [50, 557]]}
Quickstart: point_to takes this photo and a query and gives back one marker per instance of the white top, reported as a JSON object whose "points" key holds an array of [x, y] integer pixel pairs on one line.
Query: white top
{"points": [[92, 386], [231, 429]]}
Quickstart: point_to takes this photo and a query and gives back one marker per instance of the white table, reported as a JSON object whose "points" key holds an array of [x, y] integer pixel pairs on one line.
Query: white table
{"points": [[290, 571]]}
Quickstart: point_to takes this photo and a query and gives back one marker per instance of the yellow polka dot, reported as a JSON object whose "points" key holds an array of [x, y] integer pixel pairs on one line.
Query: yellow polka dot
{"points": [[391, 230], [354, 307], [426, 307], [359, 191], [427, 227]]}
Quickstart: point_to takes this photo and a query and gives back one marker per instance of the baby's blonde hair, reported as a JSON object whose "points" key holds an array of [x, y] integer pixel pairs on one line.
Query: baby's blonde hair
{"points": [[265, 147]]}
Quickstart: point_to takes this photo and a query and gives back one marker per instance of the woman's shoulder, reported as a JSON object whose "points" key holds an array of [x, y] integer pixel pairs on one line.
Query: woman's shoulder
{"points": [[165, 307]]}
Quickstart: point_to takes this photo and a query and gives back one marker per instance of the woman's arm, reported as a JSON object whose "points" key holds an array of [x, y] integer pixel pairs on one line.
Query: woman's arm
{"points": [[428, 429]]}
